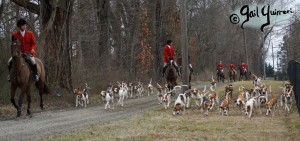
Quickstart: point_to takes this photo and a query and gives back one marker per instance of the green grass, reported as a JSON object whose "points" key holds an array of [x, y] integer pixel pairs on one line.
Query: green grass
{"points": [[160, 124]]}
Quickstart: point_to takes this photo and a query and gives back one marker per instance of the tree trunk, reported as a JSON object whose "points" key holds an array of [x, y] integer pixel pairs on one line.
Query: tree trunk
{"points": [[57, 57], [103, 10], [184, 44], [2, 8]]}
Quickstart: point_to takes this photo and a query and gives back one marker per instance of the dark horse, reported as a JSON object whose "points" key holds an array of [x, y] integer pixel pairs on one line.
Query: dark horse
{"points": [[179, 61], [171, 75], [220, 75], [21, 77], [243, 73], [232, 75]]}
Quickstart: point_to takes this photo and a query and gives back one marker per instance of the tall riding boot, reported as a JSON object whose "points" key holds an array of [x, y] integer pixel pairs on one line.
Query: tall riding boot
{"points": [[164, 70], [34, 72], [177, 69], [9, 68]]}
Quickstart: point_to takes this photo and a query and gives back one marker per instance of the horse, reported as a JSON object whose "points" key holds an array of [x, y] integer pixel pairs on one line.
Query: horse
{"points": [[21, 77], [220, 75], [171, 75], [243, 73], [179, 61], [232, 75]]}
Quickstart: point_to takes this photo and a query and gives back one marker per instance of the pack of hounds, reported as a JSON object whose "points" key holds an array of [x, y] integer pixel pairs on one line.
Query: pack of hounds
{"points": [[260, 97], [114, 93]]}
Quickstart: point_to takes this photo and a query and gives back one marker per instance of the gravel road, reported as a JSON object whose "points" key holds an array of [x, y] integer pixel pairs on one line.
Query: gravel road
{"points": [[54, 122]]}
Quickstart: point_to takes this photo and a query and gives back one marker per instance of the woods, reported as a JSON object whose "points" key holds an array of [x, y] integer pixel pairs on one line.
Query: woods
{"points": [[102, 41]]}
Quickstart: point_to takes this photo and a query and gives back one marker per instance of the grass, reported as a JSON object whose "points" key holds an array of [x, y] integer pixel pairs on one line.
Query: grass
{"points": [[51, 102], [160, 124]]}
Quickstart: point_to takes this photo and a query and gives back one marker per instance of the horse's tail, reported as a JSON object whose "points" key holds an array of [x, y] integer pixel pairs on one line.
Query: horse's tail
{"points": [[46, 89]]}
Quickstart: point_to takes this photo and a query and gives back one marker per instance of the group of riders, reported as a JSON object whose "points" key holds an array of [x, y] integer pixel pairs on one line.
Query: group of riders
{"points": [[242, 67], [169, 54], [28, 47]]}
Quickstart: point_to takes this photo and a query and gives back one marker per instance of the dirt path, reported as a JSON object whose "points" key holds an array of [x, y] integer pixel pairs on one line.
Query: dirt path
{"points": [[53, 122]]}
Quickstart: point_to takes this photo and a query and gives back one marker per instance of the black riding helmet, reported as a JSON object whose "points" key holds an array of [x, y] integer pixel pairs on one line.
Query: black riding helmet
{"points": [[169, 42], [21, 22]]}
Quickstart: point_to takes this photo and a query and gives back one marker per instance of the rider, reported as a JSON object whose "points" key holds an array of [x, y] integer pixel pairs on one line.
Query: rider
{"points": [[28, 46], [231, 67], [243, 66], [169, 53], [220, 67]]}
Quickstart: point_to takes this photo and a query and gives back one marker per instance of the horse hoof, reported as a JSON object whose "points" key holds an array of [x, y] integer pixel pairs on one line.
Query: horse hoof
{"points": [[18, 114], [42, 107], [29, 115]]}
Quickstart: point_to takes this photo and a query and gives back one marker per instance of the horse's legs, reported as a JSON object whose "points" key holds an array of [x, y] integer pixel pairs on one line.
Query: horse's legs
{"points": [[12, 97], [20, 101], [41, 90], [28, 101]]}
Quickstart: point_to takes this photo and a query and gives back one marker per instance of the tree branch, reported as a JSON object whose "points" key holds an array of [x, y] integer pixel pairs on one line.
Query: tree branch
{"points": [[32, 7]]}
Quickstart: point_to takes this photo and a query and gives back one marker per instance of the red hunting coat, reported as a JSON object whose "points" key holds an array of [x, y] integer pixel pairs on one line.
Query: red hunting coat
{"points": [[231, 66], [168, 52], [27, 42], [220, 66], [243, 65]]}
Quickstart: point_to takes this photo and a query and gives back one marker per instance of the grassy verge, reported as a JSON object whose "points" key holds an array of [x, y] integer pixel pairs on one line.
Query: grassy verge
{"points": [[160, 124], [51, 102]]}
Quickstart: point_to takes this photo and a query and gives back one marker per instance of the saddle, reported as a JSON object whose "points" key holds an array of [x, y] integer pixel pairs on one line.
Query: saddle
{"points": [[28, 60]]}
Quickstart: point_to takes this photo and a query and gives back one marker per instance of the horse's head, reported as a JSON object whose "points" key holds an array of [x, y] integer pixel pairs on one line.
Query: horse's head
{"points": [[15, 47]]}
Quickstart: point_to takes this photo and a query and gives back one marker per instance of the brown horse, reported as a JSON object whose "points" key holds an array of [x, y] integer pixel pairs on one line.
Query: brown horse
{"points": [[171, 75], [21, 77], [232, 75], [179, 61]]}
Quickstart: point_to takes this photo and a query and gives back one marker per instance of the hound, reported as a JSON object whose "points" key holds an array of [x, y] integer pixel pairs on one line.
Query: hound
{"points": [[286, 99], [213, 82], [166, 99], [140, 89], [130, 89], [256, 80], [197, 96], [108, 98], [228, 92], [224, 107], [241, 101], [249, 107], [150, 88], [179, 104], [81, 97], [122, 94], [246, 92], [272, 104], [213, 96]]}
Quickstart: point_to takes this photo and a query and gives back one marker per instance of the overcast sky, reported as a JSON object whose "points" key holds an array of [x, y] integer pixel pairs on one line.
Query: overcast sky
{"points": [[277, 35]]}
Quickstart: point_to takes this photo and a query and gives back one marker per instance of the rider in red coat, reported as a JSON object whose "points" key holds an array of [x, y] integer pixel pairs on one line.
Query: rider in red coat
{"points": [[28, 46], [169, 53], [231, 67], [244, 65], [221, 66]]}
